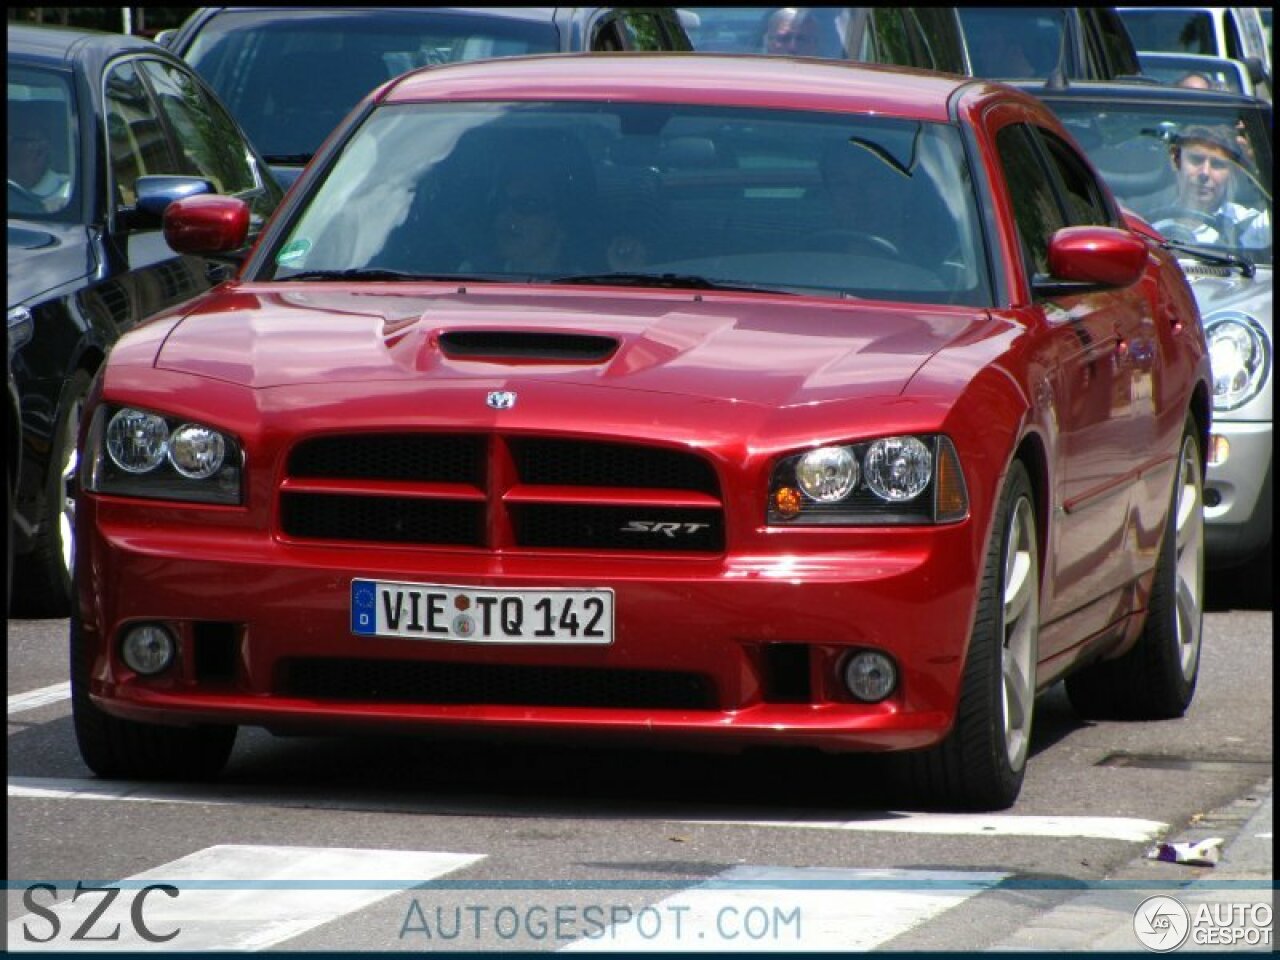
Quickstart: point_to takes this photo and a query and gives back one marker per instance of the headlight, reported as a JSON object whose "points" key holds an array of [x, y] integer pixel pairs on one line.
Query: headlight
{"points": [[907, 479], [138, 453], [1240, 354]]}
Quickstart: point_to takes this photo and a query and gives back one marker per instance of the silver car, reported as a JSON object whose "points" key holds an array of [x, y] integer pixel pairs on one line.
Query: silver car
{"points": [[1130, 133]]}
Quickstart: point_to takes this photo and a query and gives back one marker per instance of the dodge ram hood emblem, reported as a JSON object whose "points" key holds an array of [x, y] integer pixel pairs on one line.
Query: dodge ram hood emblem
{"points": [[501, 399]]}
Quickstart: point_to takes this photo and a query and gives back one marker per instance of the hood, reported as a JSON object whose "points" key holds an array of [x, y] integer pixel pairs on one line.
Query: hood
{"points": [[44, 256], [1218, 288], [766, 350]]}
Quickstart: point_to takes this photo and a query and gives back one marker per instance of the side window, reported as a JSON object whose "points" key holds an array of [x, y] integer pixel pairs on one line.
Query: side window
{"points": [[641, 30], [1235, 49], [136, 142], [1122, 57], [607, 36], [1035, 210], [1085, 203], [889, 38], [208, 143], [1096, 61]]}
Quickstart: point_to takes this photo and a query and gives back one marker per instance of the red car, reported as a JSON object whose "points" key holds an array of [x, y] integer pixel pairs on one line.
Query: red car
{"points": [[689, 399]]}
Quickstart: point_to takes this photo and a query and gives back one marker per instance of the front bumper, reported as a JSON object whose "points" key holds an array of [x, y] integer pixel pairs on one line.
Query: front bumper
{"points": [[762, 638], [1238, 495]]}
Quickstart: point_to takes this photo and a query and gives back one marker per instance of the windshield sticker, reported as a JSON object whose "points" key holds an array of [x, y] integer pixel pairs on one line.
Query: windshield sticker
{"points": [[293, 250]]}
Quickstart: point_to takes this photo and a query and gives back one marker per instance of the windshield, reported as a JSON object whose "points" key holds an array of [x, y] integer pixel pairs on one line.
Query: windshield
{"points": [[41, 130], [833, 205], [1013, 42], [1198, 174], [1174, 31], [290, 78]]}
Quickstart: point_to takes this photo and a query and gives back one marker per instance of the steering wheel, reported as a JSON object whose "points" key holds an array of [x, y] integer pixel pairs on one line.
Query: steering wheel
{"points": [[844, 240], [1178, 223], [22, 200]]}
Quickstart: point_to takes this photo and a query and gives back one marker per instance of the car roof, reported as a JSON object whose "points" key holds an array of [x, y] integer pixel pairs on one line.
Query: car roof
{"points": [[55, 45], [741, 80], [1137, 92]]}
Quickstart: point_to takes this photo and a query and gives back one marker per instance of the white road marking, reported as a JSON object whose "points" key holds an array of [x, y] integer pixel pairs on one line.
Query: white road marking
{"points": [[1132, 829], [768, 909], [1127, 829], [233, 897], [70, 788], [21, 702]]}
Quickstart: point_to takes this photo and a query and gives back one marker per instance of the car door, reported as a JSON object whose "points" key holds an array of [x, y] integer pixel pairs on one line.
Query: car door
{"points": [[160, 120], [1092, 391]]}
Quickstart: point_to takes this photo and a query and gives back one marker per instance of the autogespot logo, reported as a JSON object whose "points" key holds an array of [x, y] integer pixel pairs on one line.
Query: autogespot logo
{"points": [[1161, 924]]}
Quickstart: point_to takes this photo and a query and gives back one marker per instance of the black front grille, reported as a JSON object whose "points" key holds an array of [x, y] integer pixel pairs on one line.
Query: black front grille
{"points": [[589, 464], [424, 457], [382, 519], [412, 681], [404, 489], [618, 528]]}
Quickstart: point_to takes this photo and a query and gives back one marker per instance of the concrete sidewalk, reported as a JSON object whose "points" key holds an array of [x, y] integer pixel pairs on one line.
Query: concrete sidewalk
{"points": [[1242, 881]]}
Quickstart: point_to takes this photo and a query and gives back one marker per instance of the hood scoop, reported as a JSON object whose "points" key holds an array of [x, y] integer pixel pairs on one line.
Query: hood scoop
{"points": [[526, 346]]}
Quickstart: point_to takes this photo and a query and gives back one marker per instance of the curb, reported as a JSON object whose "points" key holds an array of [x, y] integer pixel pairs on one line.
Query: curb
{"points": [[1103, 920]]}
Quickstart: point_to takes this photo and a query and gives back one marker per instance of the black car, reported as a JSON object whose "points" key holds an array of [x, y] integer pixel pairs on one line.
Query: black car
{"points": [[289, 74], [104, 130], [1072, 43], [926, 37]]}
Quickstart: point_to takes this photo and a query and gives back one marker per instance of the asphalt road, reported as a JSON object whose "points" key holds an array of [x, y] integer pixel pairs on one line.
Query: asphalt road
{"points": [[327, 843]]}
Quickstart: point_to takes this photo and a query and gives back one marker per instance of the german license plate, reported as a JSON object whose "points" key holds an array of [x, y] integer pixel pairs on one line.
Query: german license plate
{"points": [[432, 611]]}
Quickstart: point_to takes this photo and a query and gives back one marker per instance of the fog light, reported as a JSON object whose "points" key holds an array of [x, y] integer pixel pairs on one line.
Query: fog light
{"points": [[870, 676], [148, 648]]}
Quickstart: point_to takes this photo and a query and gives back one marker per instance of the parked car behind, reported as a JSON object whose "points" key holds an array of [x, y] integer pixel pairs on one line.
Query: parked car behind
{"points": [[103, 131], [926, 37], [1218, 73], [689, 399], [1236, 33], [289, 74], [1129, 133], [1086, 43]]}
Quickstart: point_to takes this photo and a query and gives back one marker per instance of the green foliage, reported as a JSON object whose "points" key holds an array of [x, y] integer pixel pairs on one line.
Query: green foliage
{"points": [[147, 21]]}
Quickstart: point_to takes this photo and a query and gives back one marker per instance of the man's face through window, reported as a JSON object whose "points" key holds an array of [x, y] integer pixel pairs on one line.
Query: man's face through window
{"points": [[792, 33], [1204, 171], [28, 157]]}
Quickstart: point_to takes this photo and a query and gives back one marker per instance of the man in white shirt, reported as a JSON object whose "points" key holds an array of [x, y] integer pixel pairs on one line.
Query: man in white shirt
{"points": [[30, 162], [1207, 160]]}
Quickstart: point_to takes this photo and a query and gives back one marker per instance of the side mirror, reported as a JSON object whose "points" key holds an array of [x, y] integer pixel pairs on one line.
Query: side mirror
{"points": [[1257, 70], [1084, 259], [206, 224], [155, 193]]}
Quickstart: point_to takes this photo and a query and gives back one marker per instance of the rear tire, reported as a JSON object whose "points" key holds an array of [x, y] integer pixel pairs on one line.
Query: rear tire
{"points": [[981, 763], [1156, 680], [124, 749]]}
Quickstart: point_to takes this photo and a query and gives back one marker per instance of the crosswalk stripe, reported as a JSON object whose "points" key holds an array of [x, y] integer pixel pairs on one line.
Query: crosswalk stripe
{"points": [[233, 897], [770, 909], [1131, 829], [21, 702]]}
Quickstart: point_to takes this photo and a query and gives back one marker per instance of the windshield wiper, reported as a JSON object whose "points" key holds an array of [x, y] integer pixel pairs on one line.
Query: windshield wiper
{"points": [[1205, 255], [673, 281], [363, 273]]}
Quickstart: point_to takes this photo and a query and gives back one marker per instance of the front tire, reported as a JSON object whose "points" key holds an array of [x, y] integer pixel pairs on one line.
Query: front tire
{"points": [[982, 762], [123, 749], [1156, 680], [43, 577]]}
